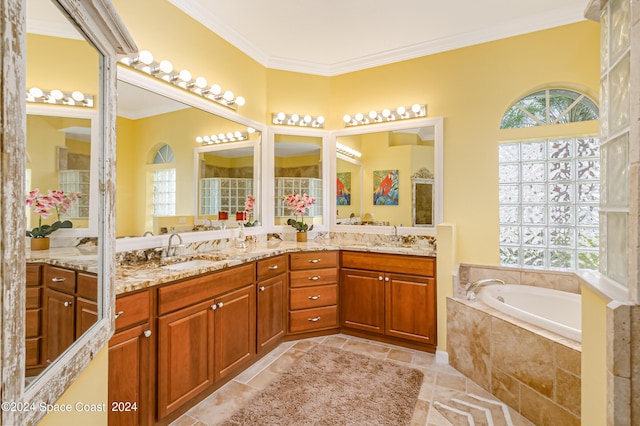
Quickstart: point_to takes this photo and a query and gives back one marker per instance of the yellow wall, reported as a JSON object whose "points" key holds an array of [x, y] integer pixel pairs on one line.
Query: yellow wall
{"points": [[594, 359], [89, 388]]}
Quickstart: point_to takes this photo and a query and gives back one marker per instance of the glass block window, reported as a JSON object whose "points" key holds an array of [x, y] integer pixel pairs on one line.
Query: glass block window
{"points": [[164, 192], [294, 185], [550, 106], [549, 194]]}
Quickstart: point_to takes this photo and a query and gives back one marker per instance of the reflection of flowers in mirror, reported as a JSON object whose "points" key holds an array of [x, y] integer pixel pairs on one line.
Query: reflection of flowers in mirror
{"points": [[248, 208], [298, 206], [44, 205]]}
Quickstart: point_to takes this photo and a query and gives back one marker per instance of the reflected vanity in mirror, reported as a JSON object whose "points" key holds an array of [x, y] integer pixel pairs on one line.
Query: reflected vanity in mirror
{"points": [[389, 174]]}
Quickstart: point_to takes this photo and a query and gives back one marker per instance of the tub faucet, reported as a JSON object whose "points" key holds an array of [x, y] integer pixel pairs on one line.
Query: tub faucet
{"points": [[473, 287], [169, 247], [147, 233]]}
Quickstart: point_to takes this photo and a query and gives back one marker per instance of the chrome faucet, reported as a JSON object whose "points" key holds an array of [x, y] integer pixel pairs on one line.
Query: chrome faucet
{"points": [[147, 233], [206, 219], [473, 287], [169, 247]]}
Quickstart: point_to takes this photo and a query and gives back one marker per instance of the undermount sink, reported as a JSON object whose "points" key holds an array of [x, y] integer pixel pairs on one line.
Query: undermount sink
{"points": [[191, 264]]}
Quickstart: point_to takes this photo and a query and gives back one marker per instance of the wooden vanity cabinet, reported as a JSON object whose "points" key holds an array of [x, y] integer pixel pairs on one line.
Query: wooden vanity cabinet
{"points": [[34, 327], [206, 332], [131, 362], [271, 306], [313, 291], [389, 295]]}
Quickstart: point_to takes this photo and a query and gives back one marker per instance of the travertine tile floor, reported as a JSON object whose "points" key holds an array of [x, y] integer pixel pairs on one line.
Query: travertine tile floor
{"points": [[441, 381]]}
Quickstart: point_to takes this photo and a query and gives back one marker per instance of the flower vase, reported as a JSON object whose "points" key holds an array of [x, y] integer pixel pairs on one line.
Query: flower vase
{"points": [[301, 236], [40, 243]]}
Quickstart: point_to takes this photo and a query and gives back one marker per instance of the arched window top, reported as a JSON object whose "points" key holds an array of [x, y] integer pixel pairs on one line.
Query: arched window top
{"points": [[164, 155], [550, 106]]}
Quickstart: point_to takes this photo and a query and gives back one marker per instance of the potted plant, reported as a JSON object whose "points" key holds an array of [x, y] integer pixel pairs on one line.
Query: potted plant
{"points": [[298, 206], [44, 205]]}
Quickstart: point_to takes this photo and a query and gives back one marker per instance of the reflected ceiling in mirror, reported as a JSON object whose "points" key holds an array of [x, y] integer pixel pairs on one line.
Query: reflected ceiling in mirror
{"points": [[156, 138], [376, 188]]}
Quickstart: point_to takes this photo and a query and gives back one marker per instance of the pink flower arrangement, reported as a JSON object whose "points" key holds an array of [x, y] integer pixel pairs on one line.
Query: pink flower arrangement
{"points": [[45, 205], [248, 208], [298, 206]]}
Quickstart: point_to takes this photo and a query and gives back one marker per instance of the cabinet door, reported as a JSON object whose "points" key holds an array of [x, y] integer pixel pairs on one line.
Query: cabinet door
{"points": [[271, 311], [410, 310], [130, 377], [235, 330], [185, 355], [86, 315], [60, 323], [362, 300]]}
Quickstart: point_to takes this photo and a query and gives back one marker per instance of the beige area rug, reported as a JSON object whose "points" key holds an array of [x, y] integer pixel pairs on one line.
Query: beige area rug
{"points": [[329, 386]]}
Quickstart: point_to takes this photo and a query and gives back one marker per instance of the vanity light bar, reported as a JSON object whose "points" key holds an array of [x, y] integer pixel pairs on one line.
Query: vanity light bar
{"points": [[400, 113], [143, 61], [348, 151], [298, 120], [224, 137], [58, 97]]}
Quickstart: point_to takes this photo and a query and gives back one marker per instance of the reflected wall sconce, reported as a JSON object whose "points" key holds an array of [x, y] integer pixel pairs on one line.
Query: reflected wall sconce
{"points": [[236, 136], [348, 151], [400, 113], [58, 97], [298, 120], [144, 61]]}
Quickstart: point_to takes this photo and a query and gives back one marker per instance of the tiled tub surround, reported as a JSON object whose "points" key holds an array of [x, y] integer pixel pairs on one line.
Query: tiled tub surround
{"points": [[533, 370]]}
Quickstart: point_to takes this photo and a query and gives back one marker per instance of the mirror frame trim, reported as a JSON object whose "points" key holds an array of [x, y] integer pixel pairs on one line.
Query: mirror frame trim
{"points": [[438, 125], [100, 23]]}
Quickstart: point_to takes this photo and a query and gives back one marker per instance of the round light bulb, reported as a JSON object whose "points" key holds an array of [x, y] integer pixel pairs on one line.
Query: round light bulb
{"points": [[221, 136], [386, 112], [228, 96], [229, 135], [78, 96], [166, 66], [237, 134], [251, 130], [359, 116], [56, 94], [401, 110], [295, 118], [216, 89], [145, 57], [281, 116], [373, 114], [206, 138], [307, 119], [320, 119], [416, 108], [199, 139], [214, 137], [36, 92], [346, 118], [240, 101], [185, 75], [201, 82]]}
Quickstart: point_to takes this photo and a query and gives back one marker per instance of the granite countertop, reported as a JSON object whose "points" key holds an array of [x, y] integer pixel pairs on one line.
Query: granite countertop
{"points": [[147, 274]]}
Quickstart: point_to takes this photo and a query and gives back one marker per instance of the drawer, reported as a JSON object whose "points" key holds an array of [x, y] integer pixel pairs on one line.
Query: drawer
{"points": [[33, 298], [271, 267], [313, 319], [32, 352], [60, 279], [87, 286], [33, 275], [33, 323], [313, 277], [192, 291], [132, 309], [314, 259], [313, 297], [401, 264]]}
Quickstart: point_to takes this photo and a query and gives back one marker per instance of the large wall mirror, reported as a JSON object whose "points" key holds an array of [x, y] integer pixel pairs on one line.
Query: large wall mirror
{"points": [[389, 175], [175, 172], [62, 140]]}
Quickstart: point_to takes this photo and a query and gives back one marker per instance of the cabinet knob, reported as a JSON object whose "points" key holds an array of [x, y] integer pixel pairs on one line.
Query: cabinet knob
{"points": [[214, 307], [261, 288], [58, 279], [147, 333], [314, 260], [314, 297], [314, 278], [67, 304], [380, 278], [273, 267], [386, 279], [119, 314], [316, 319], [220, 304]]}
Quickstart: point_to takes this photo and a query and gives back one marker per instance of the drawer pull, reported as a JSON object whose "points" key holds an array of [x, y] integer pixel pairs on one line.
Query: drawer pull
{"points": [[214, 307], [67, 304], [316, 319], [58, 279], [119, 314], [315, 278], [380, 278], [386, 279], [314, 260], [261, 288], [314, 297], [220, 304], [273, 267], [147, 333]]}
